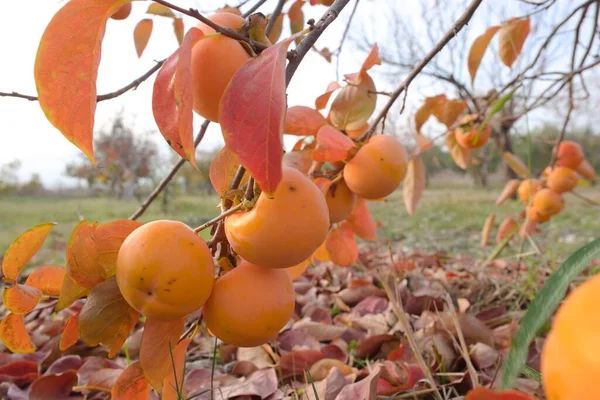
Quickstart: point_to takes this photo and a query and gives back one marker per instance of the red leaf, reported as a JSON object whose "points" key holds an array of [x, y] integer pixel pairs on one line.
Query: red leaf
{"points": [[141, 35], [481, 393], [361, 221], [48, 279], [21, 299], [303, 121], [322, 100], [158, 340], [131, 384], [252, 114], [295, 363], [109, 237], [106, 318], [82, 264], [363, 389], [478, 48], [99, 381], [222, 170], [66, 68], [69, 292], [14, 334], [332, 145], [170, 386], [53, 387], [70, 333], [22, 249], [20, 372], [341, 245], [172, 98]]}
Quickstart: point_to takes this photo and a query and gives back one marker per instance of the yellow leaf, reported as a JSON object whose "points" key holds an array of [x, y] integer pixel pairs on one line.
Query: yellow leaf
{"points": [[509, 189], [22, 249], [512, 37], [178, 29], [460, 155], [478, 49], [516, 164], [141, 35], [159, 9], [414, 184], [487, 227]]}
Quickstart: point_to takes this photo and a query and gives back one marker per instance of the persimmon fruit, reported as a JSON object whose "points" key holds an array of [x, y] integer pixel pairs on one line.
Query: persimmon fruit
{"points": [[298, 269], [569, 359], [340, 201], [469, 137], [122, 12], [165, 270], [214, 62], [569, 154], [562, 179], [547, 203], [528, 188], [282, 231], [377, 169], [249, 305]]}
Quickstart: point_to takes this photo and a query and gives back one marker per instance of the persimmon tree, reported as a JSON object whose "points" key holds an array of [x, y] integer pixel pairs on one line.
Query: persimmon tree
{"points": [[280, 210]]}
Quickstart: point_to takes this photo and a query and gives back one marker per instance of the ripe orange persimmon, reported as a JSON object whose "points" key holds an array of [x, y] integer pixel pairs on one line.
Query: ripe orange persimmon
{"points": [[377, 168], [298, 269], [562, 179], [214, 62], [548, 202], [569, 154], [165, 270], [536, 215], [285, 230], [528, 188], [249, 305], [569, 360], [122, 12], [340, 201], [469, 138]]}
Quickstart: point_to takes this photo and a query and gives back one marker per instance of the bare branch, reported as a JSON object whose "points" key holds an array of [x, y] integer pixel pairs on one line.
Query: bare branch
{"points": [[255, 7], [273, 17], [339, 49], [219, 218]]}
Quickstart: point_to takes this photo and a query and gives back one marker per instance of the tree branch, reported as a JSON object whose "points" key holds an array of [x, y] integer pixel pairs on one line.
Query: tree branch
{"points": [[339, 49], [133, 85], [274, 16], [451, 33]]}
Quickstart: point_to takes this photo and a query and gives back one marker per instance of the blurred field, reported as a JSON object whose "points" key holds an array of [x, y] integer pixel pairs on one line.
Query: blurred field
{"points": [[446, 219]]}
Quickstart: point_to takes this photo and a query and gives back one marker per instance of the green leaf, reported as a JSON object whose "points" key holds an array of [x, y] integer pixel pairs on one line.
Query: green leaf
{"points": [[496, 108], [543, 306]]}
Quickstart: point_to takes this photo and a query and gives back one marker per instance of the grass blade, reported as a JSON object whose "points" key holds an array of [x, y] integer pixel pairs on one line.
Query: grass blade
{"points": [[543, 306]]}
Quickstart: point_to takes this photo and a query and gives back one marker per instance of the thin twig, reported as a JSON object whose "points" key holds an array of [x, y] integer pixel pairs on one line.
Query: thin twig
{"points": [[255, 7], [218, 218], [338, 52], [133, 85], [586, 199], [274, 16], [452, 32]]}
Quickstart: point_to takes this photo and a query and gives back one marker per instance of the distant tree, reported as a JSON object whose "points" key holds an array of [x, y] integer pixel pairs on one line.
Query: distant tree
{"points": [[123, 157], [9, 177]]}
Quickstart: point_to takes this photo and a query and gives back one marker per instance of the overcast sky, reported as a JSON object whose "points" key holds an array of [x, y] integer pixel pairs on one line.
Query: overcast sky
{"points": [[28, 136]]}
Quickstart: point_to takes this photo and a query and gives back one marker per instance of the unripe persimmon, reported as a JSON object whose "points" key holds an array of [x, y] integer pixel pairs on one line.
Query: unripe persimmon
{"points": [[470, 138], [528, 188], [165, 270], [214, 62], [562, 179], [285, 230], [249, 305], [569, 360], [569, 154], [377, 168], [340, 201], [548, 202], [122, 12]]}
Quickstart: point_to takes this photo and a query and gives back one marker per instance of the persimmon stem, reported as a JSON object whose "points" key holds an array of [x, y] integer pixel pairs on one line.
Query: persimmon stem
{"points": [[218, 218], [249, 195]]}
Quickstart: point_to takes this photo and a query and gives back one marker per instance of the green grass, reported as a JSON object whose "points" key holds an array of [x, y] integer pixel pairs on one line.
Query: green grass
{"points": [[446, 219]]}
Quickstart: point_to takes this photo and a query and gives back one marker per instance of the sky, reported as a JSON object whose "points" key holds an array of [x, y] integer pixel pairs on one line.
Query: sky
{"points": [[28, 136]]}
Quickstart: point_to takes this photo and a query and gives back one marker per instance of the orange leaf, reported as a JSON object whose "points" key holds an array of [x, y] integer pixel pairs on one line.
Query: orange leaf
{"points": [[277, 28], [101, 380], [159, 9], [414, 184], [109, 237], [172, 98], [477, 50], [171, 387], [106, 318], [158, 340], [178, 28], [361, 221], [303, 121], [516, 164], [252, 114], [22, 249], [372, 59], [14, 334], [586, 170], [82, 264], [69, 292], [354, 104], [48, 279], [141, 35], [131, 384], [322, 100], [70, 333], [332, 145], [513, 34], [425, 111], [449, 112], [321, 253], [481, 393], [66, 68], [461, 156], [341, 245], [298, 269], [222, 170], [358, 131], [296, 17], [487, 228], [509, 190], [21, 299], [423, 143]]}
